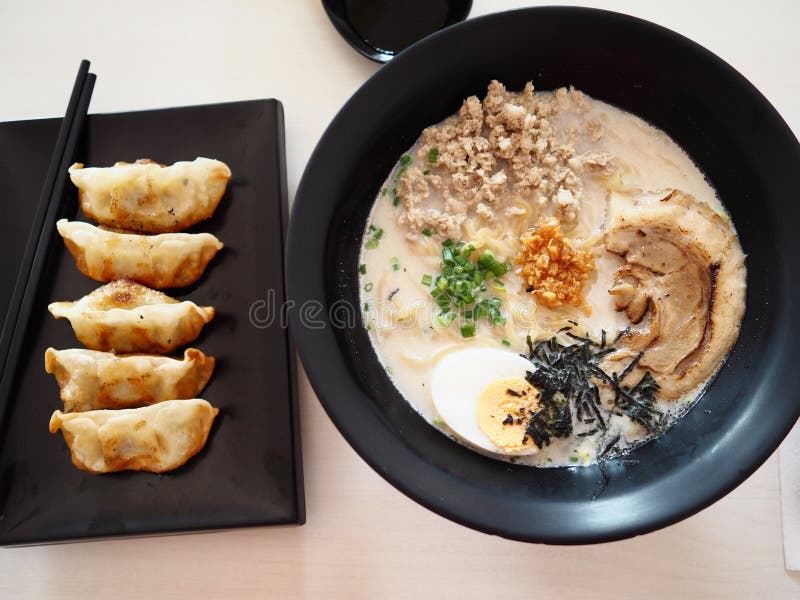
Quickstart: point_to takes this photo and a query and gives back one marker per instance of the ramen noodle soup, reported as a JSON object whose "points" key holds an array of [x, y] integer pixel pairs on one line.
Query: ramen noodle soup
{"points": [[548, 279]]}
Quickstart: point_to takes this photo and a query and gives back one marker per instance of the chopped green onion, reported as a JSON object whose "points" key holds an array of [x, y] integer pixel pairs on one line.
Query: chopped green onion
{"points": [[467, 330], [366, 306], [433, 155], [426, 172], [506, 342], [368, 287], [362, 269], [490, 263], [428, 232], [445, 319], [372, 242], [405, 160], [486, 260], [461, 287], [427, 280], [573, 459], [383, 192]]}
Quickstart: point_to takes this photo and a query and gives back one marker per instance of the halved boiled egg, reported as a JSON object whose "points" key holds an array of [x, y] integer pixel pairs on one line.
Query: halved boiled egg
{"points": [[483, 397]]}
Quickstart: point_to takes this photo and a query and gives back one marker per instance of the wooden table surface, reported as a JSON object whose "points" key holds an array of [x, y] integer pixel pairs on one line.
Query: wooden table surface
{"points": [[364, 539]]}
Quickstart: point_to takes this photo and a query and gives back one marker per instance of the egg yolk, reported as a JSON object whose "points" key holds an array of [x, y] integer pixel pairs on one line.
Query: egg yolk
{"points": [[504, 408]]}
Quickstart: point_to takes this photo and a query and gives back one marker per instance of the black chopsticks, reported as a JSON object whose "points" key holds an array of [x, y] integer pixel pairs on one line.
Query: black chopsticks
{"points": [[51, 204]]}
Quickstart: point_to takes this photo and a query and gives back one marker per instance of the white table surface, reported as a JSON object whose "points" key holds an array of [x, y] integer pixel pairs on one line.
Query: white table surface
{"points": [[364, 539]]}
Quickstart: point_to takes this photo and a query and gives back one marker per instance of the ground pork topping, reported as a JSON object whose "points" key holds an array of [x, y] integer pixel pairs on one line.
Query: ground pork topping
{"points": [[491, 154], [554, 270]]}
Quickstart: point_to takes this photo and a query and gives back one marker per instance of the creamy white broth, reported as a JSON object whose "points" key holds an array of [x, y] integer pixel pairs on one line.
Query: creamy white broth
{"points": [[400, 314]]}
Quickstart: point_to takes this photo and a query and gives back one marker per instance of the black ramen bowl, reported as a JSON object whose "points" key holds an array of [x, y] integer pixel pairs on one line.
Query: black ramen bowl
{"points": [[730, 130]]}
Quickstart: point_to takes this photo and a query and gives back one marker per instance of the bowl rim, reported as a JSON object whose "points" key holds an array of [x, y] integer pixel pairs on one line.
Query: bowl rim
{"points": [[321, 353]]}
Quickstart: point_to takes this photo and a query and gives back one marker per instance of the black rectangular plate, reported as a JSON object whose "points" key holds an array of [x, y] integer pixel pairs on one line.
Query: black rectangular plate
{"points": [[250, 471]]}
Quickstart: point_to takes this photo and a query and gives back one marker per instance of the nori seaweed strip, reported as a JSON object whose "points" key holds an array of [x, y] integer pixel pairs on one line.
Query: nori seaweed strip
{"points": [[605, 352], [564, 375], [609, 447], [639, 405], [600, 421], [600, 374], [603, 483], [631, 365], [646, 384], [596, 396], [552, 420], [578, 338]]}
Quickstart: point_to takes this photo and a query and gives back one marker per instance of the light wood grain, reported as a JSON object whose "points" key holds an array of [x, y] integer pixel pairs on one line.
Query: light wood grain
{"points": [[364, 539]]}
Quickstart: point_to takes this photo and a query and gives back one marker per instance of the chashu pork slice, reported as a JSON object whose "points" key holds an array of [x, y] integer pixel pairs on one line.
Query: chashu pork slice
{"points": [[682, 285]]}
